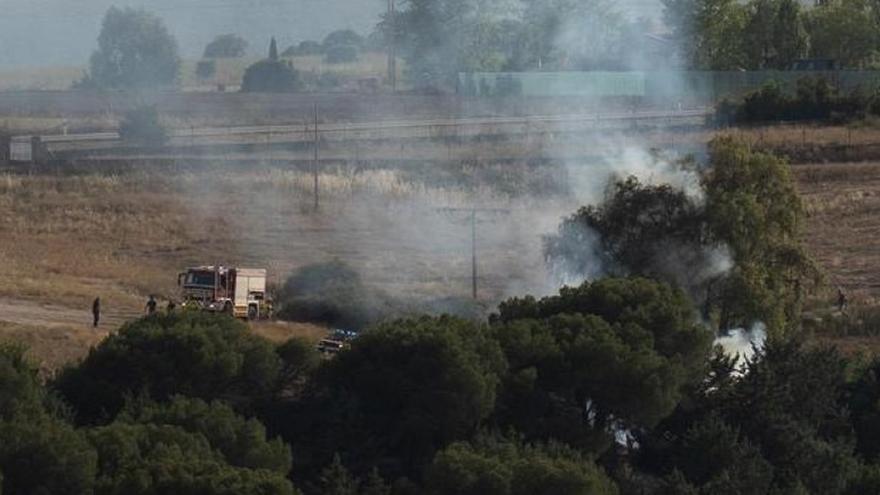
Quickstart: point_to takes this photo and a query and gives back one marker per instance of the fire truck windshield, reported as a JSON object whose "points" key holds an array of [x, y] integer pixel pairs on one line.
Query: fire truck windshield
{"points": [[200, 278]]}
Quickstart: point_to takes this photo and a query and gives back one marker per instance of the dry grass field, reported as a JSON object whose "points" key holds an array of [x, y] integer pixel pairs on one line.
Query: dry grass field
{"points": [[843, 232], [70, 238], [122, 236]]}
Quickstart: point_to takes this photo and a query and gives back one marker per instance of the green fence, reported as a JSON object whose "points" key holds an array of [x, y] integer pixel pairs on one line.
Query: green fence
{"points": [[660, 86]]}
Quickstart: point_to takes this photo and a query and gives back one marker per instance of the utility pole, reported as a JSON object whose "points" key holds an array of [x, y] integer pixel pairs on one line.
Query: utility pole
{"points": [[392, 45], [472, 216], [315, 163]]}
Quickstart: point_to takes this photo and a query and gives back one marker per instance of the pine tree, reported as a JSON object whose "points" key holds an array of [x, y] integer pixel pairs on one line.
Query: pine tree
{"points": [[336, 480], [375, 485], [273, 50]]}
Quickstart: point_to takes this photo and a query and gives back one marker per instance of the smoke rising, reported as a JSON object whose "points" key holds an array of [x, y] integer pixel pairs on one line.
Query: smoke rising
{"points": [[743, 342]]}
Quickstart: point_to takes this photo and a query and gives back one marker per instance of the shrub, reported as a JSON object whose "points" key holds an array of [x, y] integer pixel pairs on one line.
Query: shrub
{"points": [[271, 76], [189, 353], [143, 126]]}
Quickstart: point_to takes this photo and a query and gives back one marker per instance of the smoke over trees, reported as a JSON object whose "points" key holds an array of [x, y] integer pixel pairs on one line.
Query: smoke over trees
{"points": [[735, 249]]}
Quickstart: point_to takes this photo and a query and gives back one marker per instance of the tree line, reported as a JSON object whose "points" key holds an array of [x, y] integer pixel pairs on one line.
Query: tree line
{"points": [[773, 34], [441, 38]]}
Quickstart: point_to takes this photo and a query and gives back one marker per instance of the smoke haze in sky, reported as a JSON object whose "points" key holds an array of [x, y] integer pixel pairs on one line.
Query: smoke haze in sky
{"points": [[64, 32]]}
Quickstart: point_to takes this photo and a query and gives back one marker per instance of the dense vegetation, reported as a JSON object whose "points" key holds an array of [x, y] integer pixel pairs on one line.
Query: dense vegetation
{"points": [[772, 34], [813, 99], [440, 38]]}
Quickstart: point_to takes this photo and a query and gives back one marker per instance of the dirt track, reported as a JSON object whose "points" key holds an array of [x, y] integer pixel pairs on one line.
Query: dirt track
{"points": [[32, 313]]}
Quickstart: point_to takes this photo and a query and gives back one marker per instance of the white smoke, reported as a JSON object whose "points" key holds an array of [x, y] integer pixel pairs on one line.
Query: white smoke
{"points": [[743, 342]]}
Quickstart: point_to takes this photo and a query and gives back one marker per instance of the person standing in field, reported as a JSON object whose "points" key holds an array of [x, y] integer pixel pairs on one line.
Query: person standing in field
{"points": [[96, 312], [842, 303], [151, 306]]}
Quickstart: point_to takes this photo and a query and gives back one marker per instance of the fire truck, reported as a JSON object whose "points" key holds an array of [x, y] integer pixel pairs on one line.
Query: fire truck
{"points": [[240, 292]]}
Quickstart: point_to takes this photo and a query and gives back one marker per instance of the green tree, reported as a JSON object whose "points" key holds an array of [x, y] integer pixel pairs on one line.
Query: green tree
{"points": [[135, 50], [39, 451], [754, 208], [45, 455], [645, 230], [709, 33], [271, 76], [242, 442], [605, 357], [845, 31], [403, 390], [21, 395], [781, 426], [336, 480], [491, 466], [146, 459], [187, 353], [226, 46], [375, 484], [299, 360], [273, 50], [790, 34]]}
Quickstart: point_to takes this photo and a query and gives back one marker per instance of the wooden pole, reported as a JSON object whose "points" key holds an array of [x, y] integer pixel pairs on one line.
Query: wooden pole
{"points": [[315, 164], [474, 252]]}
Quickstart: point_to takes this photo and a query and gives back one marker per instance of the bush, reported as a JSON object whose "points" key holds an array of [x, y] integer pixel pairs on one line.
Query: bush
{"points": [[162, 459], [143, 126], [814, 99], [340, 54], [242, 442], [403, 390], [271, 76], [188, 353], [490, 466]]}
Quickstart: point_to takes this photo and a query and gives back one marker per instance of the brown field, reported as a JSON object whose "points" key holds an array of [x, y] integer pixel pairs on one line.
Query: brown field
{"points": [[843, 231], [125, 235], [67, 239]]}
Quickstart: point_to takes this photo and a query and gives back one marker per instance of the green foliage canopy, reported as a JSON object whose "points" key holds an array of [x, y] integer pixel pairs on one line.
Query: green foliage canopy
{"points": [[188, 353]]}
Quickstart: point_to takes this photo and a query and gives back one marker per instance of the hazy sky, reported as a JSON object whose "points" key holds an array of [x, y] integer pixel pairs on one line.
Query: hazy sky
{"points": [[63, 32]]}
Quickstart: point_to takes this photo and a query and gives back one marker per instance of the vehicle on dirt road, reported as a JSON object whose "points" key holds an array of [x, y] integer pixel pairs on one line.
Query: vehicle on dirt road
{"points": [[240, 292]]}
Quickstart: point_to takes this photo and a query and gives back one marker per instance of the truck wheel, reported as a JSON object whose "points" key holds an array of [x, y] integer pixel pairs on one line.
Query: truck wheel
{"points": [[252, 313]]}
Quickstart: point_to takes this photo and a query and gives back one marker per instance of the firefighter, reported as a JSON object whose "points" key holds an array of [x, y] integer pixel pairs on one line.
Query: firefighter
{"points": [[151, 306], [96, 311], [170, 307], [841, 300]]}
